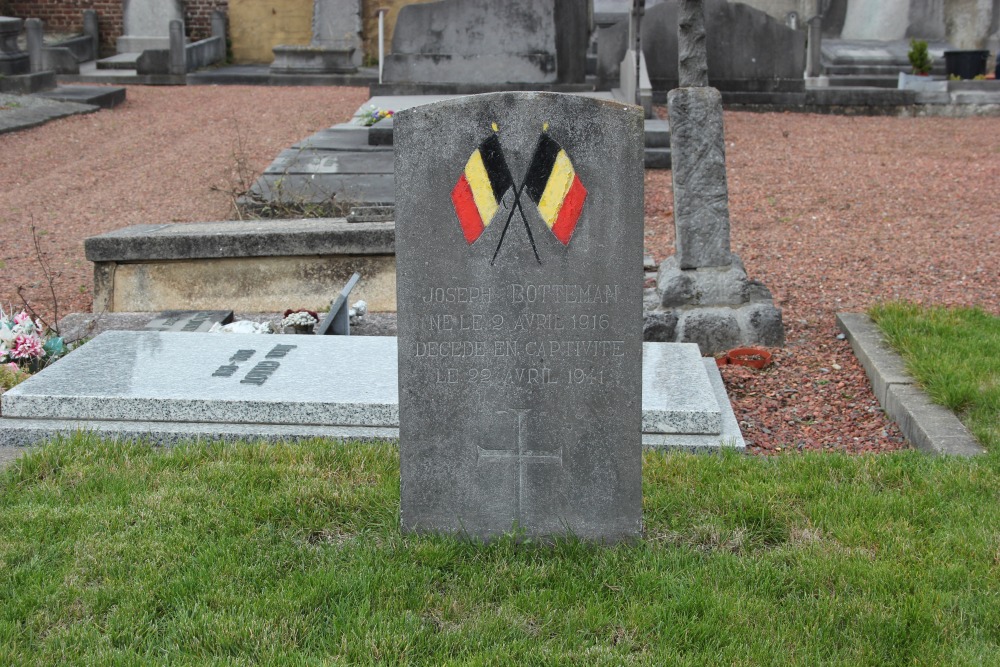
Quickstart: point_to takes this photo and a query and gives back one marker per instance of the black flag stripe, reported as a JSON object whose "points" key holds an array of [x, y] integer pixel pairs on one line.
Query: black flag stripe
{"points": [[541, 166], [496, 166]]}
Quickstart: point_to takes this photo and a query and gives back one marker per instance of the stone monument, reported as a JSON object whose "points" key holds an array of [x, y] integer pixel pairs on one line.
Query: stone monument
{"points": [[633, 80], [747, 50], [146, 24], [13, 60], [704, 295], [519, 332], [474, 41], [335, 46]]}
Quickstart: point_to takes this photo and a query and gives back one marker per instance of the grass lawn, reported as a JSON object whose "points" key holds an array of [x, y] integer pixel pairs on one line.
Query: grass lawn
{"points": [[954, 353], [291, 554]]}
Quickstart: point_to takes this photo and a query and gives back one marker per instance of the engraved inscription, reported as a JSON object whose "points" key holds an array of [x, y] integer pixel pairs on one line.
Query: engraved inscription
{"points": [[259, 374], [230, 369], [279, 351], [471, 344], [196, 321]]}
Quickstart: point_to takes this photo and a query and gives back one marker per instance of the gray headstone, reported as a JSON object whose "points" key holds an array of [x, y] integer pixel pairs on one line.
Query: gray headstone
{"points": [[13, 60], [692, 51], [189, 321], [146, 24], [337, 23], [35, 38], [520, 346], [474, 41], [747, 50], [701, 196]]}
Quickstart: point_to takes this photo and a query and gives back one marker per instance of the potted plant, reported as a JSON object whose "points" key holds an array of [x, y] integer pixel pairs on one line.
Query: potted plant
{"points": [[921, 63], [920, 59]]}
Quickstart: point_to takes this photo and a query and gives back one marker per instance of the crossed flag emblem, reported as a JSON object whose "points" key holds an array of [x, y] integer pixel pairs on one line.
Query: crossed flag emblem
{"points": [[551, 183]]}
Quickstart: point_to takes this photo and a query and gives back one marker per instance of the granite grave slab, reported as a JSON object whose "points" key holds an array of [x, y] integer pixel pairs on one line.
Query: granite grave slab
{"points": [[67, 397], [519, 334], [214, 378]]}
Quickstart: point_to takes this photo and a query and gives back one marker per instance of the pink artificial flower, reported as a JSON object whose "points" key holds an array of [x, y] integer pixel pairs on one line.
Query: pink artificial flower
{"points": [[27, 347], [22, 317], [14, 367]]}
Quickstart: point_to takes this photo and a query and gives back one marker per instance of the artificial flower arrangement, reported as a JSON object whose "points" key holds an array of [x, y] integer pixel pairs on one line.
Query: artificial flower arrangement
{"points": [[299, 319], [373, 114], [26, 344]]}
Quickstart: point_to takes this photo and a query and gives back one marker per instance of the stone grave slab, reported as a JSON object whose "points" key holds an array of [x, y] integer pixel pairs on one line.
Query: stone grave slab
{"points": [[64, 398], [520, 337], [189, 321], [214, 378], [677, 396]]}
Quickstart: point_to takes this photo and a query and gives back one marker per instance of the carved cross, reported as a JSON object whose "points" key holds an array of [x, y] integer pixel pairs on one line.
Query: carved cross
{"points": [[522, 455]]}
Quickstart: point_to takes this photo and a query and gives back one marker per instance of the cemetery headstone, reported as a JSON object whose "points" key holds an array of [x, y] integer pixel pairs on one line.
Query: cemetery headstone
{"points": [[13, 60], [745, 49], [705, 296], [335, 45], [633, 80], [146, 24], [519, 333], [189, 321], [474, 41]]}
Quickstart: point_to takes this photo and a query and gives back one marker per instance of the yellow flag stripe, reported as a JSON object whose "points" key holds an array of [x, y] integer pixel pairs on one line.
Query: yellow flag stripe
{"points": [[556, 188], [482, 189]]}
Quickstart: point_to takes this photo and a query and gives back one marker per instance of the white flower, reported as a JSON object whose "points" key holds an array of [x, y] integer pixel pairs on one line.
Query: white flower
{"points": [[299, 320]]}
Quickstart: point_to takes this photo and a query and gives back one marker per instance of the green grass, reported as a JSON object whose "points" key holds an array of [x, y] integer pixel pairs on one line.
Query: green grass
{"points": [[10, 378], [291, 555], [954, 353]]}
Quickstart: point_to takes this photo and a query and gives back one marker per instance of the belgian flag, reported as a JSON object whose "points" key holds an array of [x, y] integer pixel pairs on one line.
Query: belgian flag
{"points": [[481, 187], [555, 188]]}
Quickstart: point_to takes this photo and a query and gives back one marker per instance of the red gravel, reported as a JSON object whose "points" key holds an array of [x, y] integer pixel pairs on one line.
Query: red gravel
{"points": [[832, 213]]}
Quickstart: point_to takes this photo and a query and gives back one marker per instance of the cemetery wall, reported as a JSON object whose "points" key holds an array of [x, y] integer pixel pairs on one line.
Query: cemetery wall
{"points": [[67, 16], [257, 26]]}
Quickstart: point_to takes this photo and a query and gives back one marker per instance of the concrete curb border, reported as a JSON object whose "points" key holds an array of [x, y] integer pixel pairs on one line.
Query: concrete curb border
{"points": [[931, 428]]}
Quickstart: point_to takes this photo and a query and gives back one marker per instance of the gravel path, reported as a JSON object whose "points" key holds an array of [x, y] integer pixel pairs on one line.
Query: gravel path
{"points": [[830, 212]]}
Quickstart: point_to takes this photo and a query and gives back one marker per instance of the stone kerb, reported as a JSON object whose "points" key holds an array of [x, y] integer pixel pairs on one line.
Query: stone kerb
{"points": [[519, 334]]}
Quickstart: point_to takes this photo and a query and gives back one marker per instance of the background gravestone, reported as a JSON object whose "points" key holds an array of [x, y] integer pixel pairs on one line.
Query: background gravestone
{"points": [[489, 41], [520, 341], [703, 290], [746, 49], [335, 45], [12, 59], [146, 24]]}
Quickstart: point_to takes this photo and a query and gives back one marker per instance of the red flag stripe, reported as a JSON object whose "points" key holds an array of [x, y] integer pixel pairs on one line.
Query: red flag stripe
{"points": [[570, 211], [468, 212]]}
